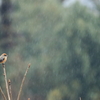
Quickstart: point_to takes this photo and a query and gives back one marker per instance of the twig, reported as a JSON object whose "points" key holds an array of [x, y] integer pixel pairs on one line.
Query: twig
{"points": [[5, 76], [4, 97], [19, 93], [80, 98], [10, 90]]}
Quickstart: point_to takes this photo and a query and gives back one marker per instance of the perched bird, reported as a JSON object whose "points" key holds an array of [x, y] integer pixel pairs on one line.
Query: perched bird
{"points": [[3, 58]]}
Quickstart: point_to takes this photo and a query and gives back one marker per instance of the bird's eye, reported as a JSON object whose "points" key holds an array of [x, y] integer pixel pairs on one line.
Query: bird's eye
{"points": [[5, 55]]}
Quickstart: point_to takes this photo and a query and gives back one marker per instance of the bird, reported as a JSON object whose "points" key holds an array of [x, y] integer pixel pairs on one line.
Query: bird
{"points": [[3, 58]]}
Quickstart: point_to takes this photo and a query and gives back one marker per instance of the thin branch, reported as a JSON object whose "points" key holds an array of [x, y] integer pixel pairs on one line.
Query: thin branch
{"points": [[10, 90], [29, 99], [19, 93], [3, 95], [5, 76], [80, 98]]}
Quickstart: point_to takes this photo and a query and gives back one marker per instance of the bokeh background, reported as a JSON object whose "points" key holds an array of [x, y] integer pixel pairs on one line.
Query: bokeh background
{"points": [[61, 40]]}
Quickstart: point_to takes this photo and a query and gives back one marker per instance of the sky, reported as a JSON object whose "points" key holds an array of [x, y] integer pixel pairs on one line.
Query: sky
{"points": [[86, 3]]}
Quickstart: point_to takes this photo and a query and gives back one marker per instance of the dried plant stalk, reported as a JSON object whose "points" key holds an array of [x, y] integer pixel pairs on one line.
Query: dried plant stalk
{"points": [[5, 76], [29, 99], [3, 95], [10, 90], [19, 93], [80, 98]]}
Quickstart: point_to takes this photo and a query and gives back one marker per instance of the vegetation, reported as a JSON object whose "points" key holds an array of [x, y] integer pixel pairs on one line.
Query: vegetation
{"points": [[63, 46]]}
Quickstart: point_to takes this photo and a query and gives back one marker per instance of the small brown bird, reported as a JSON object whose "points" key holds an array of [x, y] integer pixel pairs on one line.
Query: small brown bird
{"points": [[3, 58]]}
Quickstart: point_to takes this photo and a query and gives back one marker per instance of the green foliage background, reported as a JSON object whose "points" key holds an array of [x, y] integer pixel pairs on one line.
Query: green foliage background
{"points": [[63, 47]]}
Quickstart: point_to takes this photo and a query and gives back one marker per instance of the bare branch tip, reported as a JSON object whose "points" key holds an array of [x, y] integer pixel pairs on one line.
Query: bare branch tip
{"points": [[80, 98], [29, 65], [29, 99], [9, 81]]}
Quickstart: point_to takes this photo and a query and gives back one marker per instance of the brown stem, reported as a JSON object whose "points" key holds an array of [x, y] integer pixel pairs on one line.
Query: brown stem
{"points": [[5, 76], [19, 93], [3, 95], [10, 90]]}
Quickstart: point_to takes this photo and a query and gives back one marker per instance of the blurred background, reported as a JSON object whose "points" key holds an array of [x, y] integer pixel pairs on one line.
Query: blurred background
{"points": [[61, 40]]}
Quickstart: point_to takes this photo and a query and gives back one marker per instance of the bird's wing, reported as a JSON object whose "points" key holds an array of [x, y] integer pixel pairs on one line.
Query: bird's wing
{"points": [[1, 59]]}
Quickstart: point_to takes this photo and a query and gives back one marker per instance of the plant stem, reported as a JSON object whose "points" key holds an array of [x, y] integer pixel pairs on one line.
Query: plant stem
{"points": [[10, 90], [5, 76], [3, 94], [19, 93]]}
